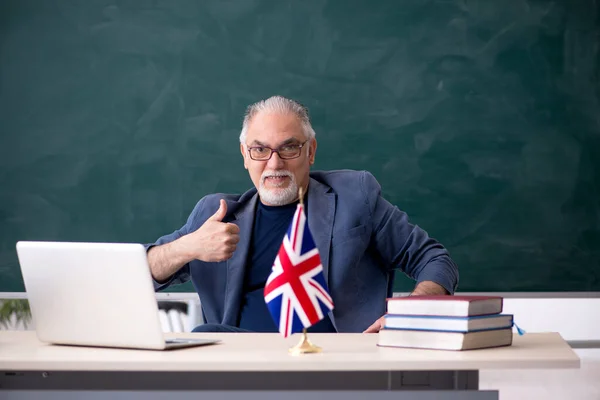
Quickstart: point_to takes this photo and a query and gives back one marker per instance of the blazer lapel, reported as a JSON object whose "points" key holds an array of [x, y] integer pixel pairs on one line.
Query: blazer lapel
{"points": [[321, 210], [236, 265]]}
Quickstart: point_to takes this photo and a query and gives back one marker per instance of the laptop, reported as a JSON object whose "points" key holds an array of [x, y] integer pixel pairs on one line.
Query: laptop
{"points": [[94, 294]]}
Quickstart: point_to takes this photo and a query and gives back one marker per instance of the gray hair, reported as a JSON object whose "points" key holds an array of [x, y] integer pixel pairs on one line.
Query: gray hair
{"points": [[282, 105]]}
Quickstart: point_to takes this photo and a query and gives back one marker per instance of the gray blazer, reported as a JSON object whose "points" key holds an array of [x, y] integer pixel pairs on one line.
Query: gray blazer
{"points": [[361, 237]]}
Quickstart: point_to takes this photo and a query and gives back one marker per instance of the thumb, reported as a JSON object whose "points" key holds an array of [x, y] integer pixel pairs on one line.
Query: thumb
{"points": [[220, 214]]}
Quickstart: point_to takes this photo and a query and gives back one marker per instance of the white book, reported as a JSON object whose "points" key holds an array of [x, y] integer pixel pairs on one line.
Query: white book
{"points": [[445, 340], [457, 306], [443, 323]]}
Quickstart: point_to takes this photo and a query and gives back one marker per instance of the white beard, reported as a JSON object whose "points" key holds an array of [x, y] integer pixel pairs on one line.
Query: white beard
{"points": [[278, 196]]}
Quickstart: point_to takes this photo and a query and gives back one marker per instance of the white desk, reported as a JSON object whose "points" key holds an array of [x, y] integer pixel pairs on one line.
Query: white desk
{"points": [[261, 363]]}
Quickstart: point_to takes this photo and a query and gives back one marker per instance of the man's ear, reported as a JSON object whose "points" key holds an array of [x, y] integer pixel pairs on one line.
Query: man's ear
{"points": [[244, 155], [312, 150]]}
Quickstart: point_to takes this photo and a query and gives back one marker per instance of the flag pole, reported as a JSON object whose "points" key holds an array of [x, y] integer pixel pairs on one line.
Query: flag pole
{"points": [[305, 345]]}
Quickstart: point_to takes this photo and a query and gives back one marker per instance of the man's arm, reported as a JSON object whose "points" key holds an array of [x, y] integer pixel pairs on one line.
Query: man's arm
{"points": [[213, 241], [166, 259], [428, 288], [405, 246]]}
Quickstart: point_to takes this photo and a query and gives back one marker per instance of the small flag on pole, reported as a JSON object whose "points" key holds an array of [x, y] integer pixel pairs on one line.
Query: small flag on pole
{"points": [[296, 292]]}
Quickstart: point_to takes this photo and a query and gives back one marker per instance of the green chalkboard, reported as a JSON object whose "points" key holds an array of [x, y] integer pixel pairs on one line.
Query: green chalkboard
{"points": [[480, 119]]}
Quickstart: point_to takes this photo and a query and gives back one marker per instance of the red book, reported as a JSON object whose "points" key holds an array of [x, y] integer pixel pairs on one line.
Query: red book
{"points": [[456, 306]]}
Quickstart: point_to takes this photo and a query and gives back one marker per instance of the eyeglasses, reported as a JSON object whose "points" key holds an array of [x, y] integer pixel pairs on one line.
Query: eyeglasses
{"points": [[285, 152]]}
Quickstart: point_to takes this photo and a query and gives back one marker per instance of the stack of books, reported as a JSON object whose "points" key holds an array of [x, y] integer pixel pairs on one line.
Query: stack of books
{"points": [[446, 323]]}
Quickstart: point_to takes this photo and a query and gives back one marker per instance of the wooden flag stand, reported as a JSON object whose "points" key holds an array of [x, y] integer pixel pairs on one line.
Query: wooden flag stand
{"points": [[305, 346]]}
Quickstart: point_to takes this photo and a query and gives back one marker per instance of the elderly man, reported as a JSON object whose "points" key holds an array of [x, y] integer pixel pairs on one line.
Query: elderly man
{"points": [[229, 242]]}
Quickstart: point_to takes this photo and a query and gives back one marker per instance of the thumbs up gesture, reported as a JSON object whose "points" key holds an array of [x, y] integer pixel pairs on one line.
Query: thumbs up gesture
{"points": [[214, 240]]}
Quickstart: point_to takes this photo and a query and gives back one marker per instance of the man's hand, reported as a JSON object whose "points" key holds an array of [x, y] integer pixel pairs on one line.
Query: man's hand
{"points": [[422, 289], [376, 327], [214, 240]]}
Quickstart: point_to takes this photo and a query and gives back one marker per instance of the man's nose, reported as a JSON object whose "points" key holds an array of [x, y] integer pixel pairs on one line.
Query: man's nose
{"points": [[275, 162]]}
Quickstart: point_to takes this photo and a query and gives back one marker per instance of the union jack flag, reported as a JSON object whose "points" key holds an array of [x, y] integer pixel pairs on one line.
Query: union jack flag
{"points": [[296, 292]]}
